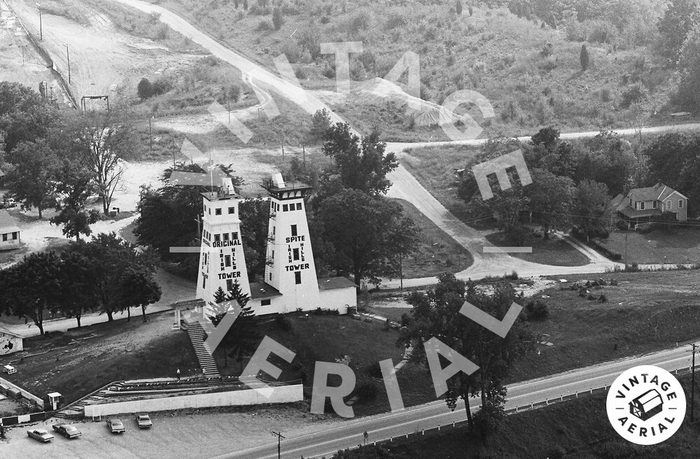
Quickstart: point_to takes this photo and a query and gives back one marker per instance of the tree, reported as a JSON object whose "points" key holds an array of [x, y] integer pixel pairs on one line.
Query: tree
{"points": [[242, 338], [76, 278], [680, 18], [436, 313], [359, 227], [31, 180], [255, 216], [277, 18], [458, 7], [24, 115], [105, 139], [591, 207], [551, 199], [138, 288], [320, 123], [29, 288], [358, 164], [144, 89], [584, 57], [689, 65], [74, 187]]}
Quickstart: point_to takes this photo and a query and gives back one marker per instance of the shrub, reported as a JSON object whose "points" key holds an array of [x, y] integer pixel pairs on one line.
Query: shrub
{"points": [[631, 96], [144, 89], [293, 51], [395, 20], [366, 391], [264, 25], [277, 18], [536, 311], [374, 370]]}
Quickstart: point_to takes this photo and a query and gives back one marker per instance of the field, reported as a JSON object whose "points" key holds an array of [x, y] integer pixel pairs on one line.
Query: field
{"points": [[529, 72], [359, 344], [576, 428], [83, 360], [554, 251], [646, 312], [676, 245]]}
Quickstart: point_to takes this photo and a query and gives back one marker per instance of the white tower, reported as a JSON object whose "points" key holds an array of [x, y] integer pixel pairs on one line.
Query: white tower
{"points": [[221, 259], [290, 264]]}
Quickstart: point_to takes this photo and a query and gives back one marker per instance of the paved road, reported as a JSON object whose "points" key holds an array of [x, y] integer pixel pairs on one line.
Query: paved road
{"points": [[383, 427]]}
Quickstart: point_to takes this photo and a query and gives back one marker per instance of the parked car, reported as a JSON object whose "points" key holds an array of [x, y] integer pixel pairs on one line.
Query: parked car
{"points": [[144, 421], [41, 435], [115, 426], [9, 369], [67, 430]]}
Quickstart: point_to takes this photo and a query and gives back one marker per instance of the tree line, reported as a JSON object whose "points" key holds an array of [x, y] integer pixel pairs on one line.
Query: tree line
{"points": [[59, 159], [106, 274]]}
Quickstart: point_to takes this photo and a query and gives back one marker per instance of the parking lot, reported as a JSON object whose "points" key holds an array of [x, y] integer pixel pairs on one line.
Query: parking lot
{"points": [[172, 436]]}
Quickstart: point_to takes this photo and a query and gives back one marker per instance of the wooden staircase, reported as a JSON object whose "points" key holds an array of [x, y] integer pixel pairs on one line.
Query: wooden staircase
{"points": [[206, 360]]}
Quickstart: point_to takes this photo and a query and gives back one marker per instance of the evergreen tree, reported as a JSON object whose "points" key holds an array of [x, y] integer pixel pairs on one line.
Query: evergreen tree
{"points": [[585, 58]]}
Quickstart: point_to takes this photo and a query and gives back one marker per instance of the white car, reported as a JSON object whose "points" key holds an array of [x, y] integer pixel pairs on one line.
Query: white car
{"points": [[9, 369], [41, 435]]}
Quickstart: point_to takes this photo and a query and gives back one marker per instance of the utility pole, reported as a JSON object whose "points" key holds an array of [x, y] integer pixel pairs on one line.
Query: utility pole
{"points": [[279, 440], [303, 152], [692, 388], [41, 24], [150, 137], [626, 233]]}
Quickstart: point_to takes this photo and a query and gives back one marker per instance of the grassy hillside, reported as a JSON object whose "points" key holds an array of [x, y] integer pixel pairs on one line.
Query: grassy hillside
{"points": [[529, 71]]}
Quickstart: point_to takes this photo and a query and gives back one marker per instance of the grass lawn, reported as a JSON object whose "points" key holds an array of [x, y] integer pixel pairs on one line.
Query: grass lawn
{"points": [[82, 360], [576, 428], [677, 245], [646, 312], [554, 252], [436, 252], [359, 344]]}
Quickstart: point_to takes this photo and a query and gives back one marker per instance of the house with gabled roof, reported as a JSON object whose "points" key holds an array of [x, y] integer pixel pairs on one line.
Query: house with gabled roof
{"points": [[644, 204], [9, 232]]}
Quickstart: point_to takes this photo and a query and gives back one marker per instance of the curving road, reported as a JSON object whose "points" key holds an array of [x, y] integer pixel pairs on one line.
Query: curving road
{"points": [[383, 427]]}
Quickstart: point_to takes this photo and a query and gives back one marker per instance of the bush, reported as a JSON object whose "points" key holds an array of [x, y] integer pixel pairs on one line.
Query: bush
{"points": [[277, 18], [366, 391], [374, 370], [144, 89], [395, 20], [264, 26], [536, 311], [631, 96], [516, 234]]}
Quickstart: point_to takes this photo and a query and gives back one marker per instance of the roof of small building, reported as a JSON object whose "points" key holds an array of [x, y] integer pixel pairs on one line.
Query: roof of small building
{"points": [[658, 192], [263, 291], [5, 331], [334, 283], [183, 178], [7, 221]]}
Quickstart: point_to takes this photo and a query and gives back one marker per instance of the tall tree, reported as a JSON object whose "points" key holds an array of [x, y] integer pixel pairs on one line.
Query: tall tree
{"points": [[584, 58], [24, 115], [242, 338], [359, 164], [105, 140], [436, 313], [591, 207], [76, 278], [29, 288], [32, 179], [680, 18], [74, 187], [359, 228], [138, 288], [551, 199]]}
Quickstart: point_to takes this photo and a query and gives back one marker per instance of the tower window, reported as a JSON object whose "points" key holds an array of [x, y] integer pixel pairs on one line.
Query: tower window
{"points": [[229, 284], [264, 302], [204, 282], [298, 206], [234, 236], [225, 236], [218, 211], [285, 208], [296, 254], [273, 230], [294, 230], [297, 277], [231, 210], [228, 261], [270, 276], [4, 237], [217, 238]]}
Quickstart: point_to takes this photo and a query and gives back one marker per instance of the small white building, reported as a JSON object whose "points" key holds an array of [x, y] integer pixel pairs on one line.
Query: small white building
{"points": [[9, 232], [10, 342]]}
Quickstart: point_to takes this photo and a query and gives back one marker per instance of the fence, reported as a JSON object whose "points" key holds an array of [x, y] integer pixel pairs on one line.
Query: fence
{"points": [[279, 394], [23, 418], [8, 388], [47, 58], [514, 410]]}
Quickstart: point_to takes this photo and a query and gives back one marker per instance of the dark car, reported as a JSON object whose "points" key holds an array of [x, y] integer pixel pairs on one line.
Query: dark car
{"points": [[41, 435], [115, 426], [67, 430], [144, 421]]}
